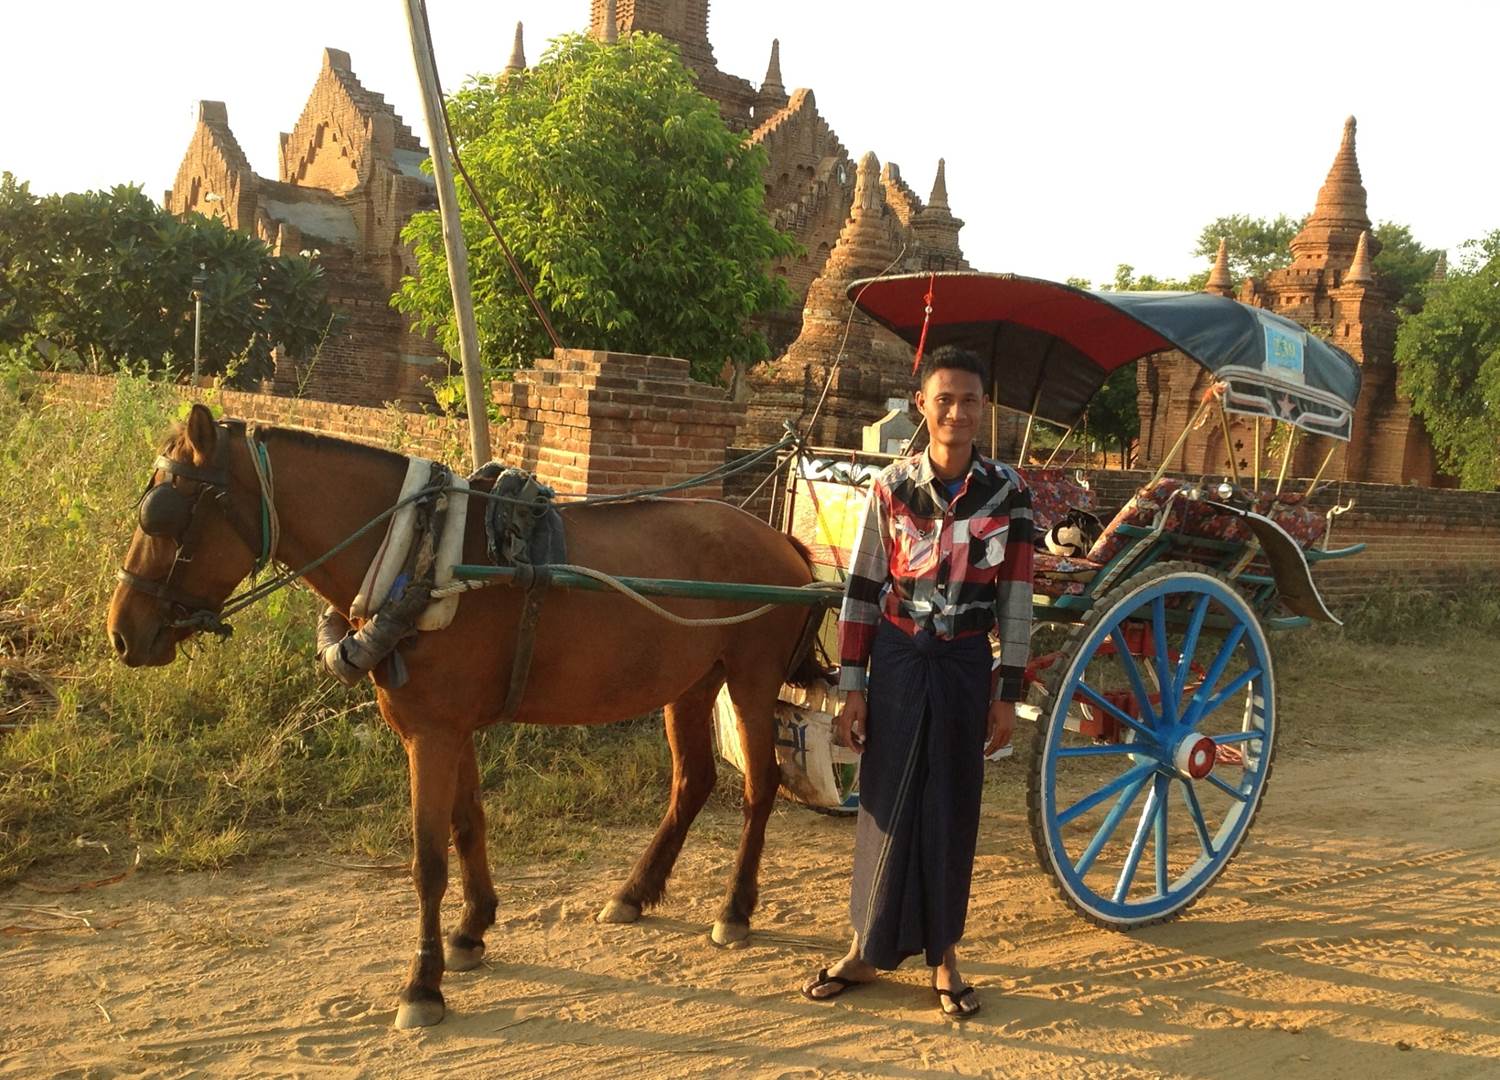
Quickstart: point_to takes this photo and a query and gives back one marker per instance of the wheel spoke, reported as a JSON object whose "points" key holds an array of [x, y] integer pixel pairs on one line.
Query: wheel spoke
{"points": [[1137, 848], [1221, 661], [1235, 685], [1190, 646], [1114, 710], [1232, 792], [1133, 673], [1119, 783], [1160, 792], [1238, 737], [1108, 826], [1163, 662], [1097, 750], [1195, 812]]}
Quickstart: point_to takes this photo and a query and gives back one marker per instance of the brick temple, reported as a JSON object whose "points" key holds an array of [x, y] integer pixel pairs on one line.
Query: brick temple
{"points": [[1331, 288], [349, 178]]}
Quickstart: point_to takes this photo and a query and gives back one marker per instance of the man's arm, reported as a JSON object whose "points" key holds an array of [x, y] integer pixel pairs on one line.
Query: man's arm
{"points": [[868, 569], [1013, 600]]}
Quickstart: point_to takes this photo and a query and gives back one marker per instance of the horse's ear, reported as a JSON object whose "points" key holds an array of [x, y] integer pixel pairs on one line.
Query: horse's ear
{"points": [[202, 433]]}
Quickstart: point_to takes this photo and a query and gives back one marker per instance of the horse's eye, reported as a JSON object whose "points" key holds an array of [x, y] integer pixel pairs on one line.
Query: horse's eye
{"points": [[165, 512]]}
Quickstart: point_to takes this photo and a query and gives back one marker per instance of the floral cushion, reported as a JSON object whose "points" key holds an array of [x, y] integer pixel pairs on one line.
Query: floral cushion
{"points": [[1194, 518], [1056, 575], [1053, 493]]}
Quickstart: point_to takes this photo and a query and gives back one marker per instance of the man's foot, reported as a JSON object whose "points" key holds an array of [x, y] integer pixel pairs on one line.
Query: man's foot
{"points": [[829, 983], [960, 1004]]}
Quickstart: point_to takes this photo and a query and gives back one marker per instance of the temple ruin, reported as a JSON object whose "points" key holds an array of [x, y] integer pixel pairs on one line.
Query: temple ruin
{"points": [[1331, 288]]}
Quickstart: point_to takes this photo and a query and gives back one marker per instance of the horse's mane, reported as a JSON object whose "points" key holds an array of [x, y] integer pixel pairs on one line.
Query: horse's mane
{"points": [[310, 440]]}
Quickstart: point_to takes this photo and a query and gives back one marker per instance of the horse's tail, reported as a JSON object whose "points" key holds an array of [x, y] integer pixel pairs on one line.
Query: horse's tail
{"points": [[807, 666]]}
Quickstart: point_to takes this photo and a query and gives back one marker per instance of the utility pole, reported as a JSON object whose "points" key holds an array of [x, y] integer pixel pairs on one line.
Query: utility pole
{"points": [[453, 238], [200, 279]]}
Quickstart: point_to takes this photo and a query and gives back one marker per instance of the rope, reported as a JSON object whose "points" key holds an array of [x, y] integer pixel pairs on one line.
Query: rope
{"points": [[270, 521], [456, 587]]}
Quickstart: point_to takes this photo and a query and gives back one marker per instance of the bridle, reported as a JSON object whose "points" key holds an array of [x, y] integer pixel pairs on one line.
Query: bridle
{"points": [[165, 513]]}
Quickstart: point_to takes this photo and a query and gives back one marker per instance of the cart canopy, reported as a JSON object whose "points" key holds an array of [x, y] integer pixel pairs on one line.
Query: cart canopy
{"points": [[1050, 346]]}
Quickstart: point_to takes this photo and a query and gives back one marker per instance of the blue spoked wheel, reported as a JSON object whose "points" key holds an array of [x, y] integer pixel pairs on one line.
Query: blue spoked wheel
{"points": [[1156, 746]]}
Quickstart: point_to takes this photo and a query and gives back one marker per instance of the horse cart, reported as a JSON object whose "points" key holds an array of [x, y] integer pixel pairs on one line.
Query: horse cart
{"points": [[1153, 685], [1150, 678]]}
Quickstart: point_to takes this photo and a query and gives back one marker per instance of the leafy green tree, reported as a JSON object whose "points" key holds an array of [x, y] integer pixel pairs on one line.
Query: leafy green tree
{"points": [[1405, 264], [1256, 245], [1449, 357], [635, 211], [1114, 417], [107, 276], [1127, 280]]}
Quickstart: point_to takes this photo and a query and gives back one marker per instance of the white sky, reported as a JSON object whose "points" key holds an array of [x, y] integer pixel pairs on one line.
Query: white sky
{"points": [[1078, 134]]}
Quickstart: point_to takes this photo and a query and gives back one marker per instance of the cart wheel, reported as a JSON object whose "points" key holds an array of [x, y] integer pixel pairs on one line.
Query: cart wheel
{"points": [[1169, 758]]}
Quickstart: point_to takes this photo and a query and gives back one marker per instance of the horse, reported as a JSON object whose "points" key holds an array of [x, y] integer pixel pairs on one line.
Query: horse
{"points": [[598, 658]]}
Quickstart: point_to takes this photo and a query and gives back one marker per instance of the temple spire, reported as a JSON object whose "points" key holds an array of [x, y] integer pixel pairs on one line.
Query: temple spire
{"points": [[1440, 268], [609, 30], [772, 82], [1360, 271], [939, 196], [517, 61], [1329, 234], [1219, 281]]}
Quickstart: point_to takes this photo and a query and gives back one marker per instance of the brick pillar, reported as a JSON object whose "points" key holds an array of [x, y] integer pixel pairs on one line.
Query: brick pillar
{"points": [[601, 423]]}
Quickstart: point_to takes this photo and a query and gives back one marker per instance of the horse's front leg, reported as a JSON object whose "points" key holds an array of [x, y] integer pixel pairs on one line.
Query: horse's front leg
{"points": [[466, 944], [432, 758]]}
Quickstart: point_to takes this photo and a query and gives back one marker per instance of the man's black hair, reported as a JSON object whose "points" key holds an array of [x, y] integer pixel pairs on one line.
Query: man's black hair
{"points": [[956, 357]]}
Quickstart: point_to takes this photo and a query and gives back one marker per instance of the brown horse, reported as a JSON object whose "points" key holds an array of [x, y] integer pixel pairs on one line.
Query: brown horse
{"points": [[598, 658]]}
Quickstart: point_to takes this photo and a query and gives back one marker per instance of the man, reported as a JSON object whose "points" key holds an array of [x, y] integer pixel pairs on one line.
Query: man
{"points": [[943, 556]]}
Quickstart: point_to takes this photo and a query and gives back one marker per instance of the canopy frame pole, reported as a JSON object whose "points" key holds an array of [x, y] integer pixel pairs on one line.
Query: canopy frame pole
{"points": [[1286, 458], [1234, 466], [1256, 484], [1058, 448], [1166, 461], [995, 392], [1328, 457], [1036, 399]]}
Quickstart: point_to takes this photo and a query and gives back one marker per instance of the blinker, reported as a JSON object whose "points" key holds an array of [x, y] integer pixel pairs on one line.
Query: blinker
{"points": [[165, 512]]}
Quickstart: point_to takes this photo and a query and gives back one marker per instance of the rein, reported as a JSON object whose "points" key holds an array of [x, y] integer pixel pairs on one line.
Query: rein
{"points": [[202, 616]]}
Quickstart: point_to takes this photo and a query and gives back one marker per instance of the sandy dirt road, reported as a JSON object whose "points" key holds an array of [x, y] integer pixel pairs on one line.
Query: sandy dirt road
{"points": [[1357, 935]]}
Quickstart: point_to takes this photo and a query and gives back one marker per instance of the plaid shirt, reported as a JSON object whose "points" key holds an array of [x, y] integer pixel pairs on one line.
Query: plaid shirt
{"points": [[953, 569]]}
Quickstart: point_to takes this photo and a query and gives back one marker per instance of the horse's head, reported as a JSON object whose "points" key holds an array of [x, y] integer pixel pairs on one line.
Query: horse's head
{"points": [[189, 550]]}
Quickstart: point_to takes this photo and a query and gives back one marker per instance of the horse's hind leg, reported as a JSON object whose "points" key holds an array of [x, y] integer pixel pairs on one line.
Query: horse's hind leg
{"points": [[466, 944], [689, 720], [432, 758], [754, 696]]}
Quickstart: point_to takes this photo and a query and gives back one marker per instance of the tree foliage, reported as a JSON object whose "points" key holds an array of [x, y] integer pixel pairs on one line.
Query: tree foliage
{"points": [[1404, 263], [1449, 357], [107, 276], [1256, 245], [637, 214]]}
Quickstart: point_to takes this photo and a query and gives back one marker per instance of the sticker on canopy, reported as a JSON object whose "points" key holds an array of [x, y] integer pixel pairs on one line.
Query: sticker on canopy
{"points": [[1285, 352]]}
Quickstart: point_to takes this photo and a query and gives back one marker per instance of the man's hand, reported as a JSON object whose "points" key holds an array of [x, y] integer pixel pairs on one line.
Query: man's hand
{"points": [[1002, 723], [850, 725]]}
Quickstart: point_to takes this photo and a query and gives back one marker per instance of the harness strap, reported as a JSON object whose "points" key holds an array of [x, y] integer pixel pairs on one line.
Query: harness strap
{"points": [[520, 667]]}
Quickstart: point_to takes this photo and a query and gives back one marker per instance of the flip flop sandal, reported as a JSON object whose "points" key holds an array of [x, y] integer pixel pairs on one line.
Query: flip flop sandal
{"points": [[823, 980], [957, 1004]]}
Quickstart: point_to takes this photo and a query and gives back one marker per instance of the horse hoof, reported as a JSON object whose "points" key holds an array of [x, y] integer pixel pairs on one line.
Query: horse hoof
{"points": [[729, 933], [415, 1014], [459, 958], [618, 911]]}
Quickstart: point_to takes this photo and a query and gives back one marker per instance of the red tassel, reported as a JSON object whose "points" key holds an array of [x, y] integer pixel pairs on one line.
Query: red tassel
{"points": [[926, 321]]}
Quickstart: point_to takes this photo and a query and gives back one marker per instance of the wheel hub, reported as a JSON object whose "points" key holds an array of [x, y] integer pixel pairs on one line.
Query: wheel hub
{"points": [[1195, 755]]}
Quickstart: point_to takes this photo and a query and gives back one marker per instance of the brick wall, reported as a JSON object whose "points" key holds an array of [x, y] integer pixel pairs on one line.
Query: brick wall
{"points": [[606, 422]]}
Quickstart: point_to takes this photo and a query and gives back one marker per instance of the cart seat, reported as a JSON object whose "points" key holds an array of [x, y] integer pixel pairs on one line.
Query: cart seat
{"points": [[1053, 493], [1061, 575], [1201, 519]]}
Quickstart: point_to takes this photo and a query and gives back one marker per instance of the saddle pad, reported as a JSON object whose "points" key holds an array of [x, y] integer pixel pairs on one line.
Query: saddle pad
{"points": [[390, 558], [450, 552]]}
